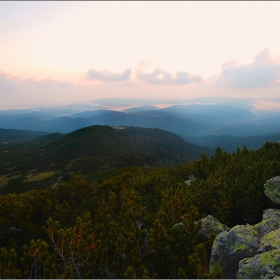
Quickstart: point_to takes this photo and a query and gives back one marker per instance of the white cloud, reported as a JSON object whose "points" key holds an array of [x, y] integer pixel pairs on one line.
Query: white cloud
{"points": [[156, 77], [108, 76], [161, 77], [49, 83], [9, 82], [264, 71]]}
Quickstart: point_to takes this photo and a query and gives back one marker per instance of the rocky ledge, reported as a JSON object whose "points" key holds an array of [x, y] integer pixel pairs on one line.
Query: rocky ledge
{"points": [[248, 252]]}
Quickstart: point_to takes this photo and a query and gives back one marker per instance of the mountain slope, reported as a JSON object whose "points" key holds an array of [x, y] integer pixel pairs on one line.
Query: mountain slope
{"points": [[90, 150], [123, 146]]}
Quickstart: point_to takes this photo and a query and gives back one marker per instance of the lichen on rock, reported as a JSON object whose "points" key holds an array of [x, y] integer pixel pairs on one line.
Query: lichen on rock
{"points": [[210, 225], [231, 247], [261, 266], [270, 241], [270, 221], [272, 189], [248, 252]]}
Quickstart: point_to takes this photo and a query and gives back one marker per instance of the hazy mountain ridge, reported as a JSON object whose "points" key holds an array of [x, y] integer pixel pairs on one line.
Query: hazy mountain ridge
{"points": [[218, 115], [226, 117], [66, 124]]}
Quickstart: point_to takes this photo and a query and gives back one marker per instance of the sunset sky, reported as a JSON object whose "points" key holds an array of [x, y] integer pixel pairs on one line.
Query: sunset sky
{"points": [[59, 53]]}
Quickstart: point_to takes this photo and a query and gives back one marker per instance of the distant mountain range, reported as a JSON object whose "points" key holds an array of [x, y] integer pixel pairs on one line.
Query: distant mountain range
{"points": [[223, 123]]}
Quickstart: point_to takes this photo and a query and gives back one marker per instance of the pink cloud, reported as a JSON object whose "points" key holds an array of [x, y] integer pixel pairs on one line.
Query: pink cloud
{"points": [[264, 71], [108, 76], [162, 77], [9, 82], [266, 58]]}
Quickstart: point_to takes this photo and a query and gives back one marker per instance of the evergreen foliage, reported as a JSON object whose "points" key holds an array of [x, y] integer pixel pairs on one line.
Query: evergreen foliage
{"points": [[138, 223]]}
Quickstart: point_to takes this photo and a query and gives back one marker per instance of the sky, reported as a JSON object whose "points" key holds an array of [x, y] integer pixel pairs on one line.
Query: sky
{"points": [[59, 53]]}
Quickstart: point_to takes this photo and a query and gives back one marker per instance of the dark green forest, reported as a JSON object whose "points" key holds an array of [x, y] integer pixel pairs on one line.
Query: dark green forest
{"points": [[126, 225], [94, 151]]}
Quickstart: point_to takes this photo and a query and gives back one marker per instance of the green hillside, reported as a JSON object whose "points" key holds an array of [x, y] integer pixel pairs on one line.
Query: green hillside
{"points": [[93, 151]]}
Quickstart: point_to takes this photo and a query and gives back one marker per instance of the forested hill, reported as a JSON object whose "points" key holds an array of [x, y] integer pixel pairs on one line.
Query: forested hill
{"points": [[90, 150], [96, 146]]}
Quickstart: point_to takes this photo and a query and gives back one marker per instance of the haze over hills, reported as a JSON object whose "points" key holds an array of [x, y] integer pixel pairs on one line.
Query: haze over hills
{"points": [[217, 115], [190, 119]]}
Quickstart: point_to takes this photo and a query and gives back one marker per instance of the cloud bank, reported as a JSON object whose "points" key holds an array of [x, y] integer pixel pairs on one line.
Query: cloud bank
{"points": [[161, 77], [108, 76], [259, 79], [9, 82], [264, 71], [157, 77]]}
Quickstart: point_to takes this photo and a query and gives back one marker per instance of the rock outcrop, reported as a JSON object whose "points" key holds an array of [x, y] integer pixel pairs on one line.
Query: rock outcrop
{"points": [[211, 225], [231, 247], [272, 189], [262, 266], [248, 252], [191, 179]]}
